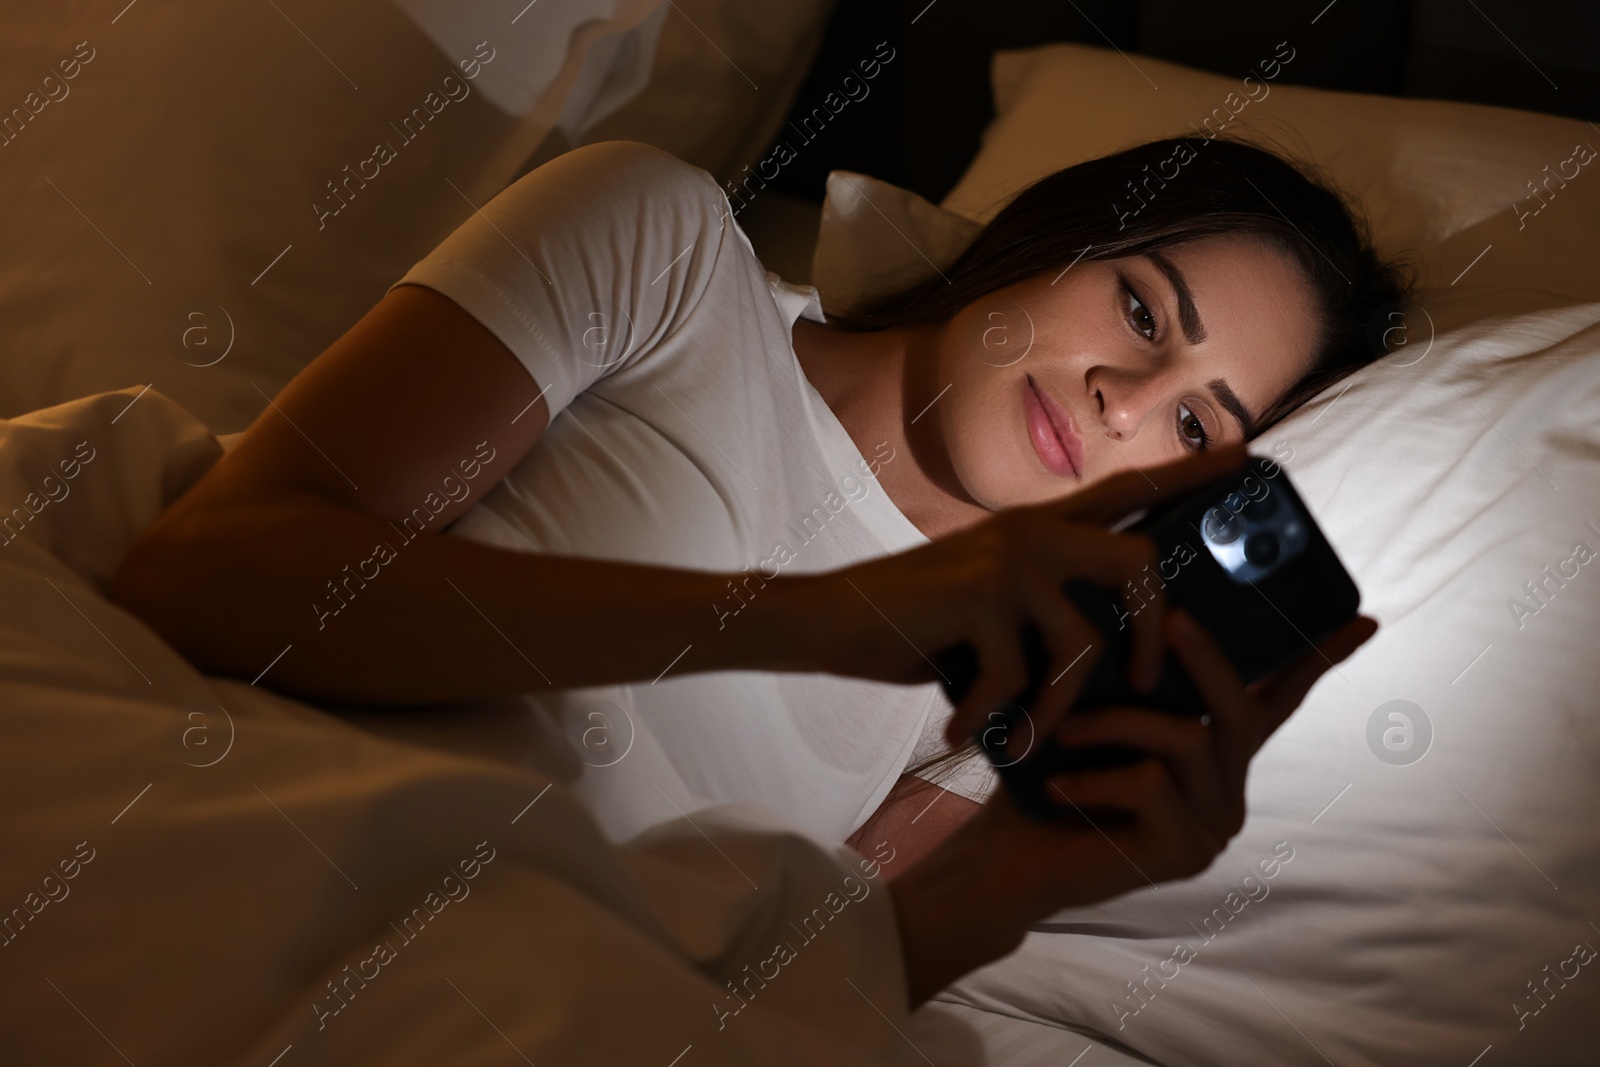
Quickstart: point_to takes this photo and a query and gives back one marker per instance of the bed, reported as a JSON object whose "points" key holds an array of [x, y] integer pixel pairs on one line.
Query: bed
{"points": [[1426, 815]]}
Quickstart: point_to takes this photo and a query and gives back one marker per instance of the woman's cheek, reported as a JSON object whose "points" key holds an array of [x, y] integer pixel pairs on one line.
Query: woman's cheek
{"points": [[987, 445]]}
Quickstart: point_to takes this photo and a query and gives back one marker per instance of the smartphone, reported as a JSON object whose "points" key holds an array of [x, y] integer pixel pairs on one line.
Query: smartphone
{"points": [[1242, 554]]}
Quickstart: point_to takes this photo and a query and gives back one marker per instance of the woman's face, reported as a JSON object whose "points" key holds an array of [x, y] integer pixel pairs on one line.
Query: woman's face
{"points": [[1132, 379]]}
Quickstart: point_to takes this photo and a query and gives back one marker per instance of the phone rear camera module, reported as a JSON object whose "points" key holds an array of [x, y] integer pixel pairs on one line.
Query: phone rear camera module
{"points": [[1221, 526], [1262, 548], [1256, 528]]}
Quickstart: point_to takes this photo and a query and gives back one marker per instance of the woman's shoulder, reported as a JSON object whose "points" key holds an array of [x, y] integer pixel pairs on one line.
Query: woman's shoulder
{"points": [[631, 172]]}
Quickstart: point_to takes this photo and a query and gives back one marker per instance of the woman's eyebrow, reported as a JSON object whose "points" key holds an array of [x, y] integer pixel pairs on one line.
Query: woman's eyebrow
{"points": [[1232, 405], [1194, 331]]}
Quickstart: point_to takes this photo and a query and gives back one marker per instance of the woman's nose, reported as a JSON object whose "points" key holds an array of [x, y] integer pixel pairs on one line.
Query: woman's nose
{"points": [[1127, 401]]}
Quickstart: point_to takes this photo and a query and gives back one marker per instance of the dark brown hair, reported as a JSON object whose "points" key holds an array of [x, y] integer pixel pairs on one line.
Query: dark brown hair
{"points": [[1132, 202]]}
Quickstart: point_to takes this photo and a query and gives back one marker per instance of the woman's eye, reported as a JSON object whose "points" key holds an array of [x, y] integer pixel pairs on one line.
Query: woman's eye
{"points": [[1139, 314], [1192, 430]]}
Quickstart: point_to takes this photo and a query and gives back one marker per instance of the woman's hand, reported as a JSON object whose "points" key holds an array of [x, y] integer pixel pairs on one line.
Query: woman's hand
{"points": [[1164, 818], [886, 618]]}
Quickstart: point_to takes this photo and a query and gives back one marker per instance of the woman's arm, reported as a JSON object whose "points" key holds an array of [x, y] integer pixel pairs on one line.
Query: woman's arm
{"points": [[914, 819], [297, 542], [295, 560]]}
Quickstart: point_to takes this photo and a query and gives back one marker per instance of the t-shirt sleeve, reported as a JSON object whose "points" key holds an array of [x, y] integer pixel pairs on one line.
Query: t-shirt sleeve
{"points": [[585, 264]]}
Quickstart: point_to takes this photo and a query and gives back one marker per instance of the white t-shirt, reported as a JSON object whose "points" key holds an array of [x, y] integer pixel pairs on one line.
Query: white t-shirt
{"points": [[683, 432]]}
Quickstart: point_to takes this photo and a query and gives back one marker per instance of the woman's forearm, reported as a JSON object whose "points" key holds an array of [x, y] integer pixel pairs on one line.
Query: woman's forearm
{"points": [[346, 607], [951, 917]]}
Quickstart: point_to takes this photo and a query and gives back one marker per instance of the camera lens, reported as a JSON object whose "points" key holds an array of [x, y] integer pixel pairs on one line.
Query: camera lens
{"points": [[1221, 527], [1261, 548]]}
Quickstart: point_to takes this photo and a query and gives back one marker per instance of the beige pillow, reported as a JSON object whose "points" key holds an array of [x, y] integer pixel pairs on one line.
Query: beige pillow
{"points": [[1446, 180]]}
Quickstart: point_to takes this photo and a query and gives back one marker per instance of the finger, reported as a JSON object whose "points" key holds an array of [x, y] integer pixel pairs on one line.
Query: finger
{"points": [[1185, 745], [1128, 565], [1010, 731], [1109, 499], [1234, 716], [1072, 642], [1181, 742], [1164, 828], [1146, 604], [1130, 788], [1284, 691], [1001, 675]]}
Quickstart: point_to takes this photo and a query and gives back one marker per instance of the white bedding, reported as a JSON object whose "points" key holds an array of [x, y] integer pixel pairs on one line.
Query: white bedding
{"points": [[190, 862]]}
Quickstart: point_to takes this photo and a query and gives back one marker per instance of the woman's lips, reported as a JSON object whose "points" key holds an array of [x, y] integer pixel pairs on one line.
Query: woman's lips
{"points": [[1051, 432]]}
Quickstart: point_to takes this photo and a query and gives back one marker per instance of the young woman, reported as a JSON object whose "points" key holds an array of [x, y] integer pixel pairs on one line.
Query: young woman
{"points": [[714, 538]]}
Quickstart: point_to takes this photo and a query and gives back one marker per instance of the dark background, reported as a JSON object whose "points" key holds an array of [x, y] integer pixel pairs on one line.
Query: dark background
{"points": [[1538, 55]]}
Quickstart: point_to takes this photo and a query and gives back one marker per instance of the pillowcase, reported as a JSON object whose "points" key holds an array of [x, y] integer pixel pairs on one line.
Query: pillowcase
{"points": [[876, 238]]}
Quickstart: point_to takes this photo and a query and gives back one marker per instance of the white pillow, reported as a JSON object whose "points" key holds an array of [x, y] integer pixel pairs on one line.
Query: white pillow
{"points": [[1444, 179], [876, 238], [1422, 894]]}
